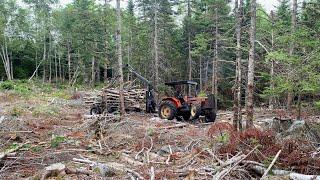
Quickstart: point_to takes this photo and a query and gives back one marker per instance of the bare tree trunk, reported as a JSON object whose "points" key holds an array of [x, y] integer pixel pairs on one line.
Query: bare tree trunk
{"points": [[69, 61], [50, 59], [44, 60], [93, 71], [55, 65], [119, 53], [155, 44], [200, 72], [60, 68], [128, 57], [36, 63], [11, 66], [189, 47], [6, 61], [237, 116], [291, 50], [106, 61], [207, 67], [98, 78], [271, 99], [85, 74], [251, 62], [215, 61]]}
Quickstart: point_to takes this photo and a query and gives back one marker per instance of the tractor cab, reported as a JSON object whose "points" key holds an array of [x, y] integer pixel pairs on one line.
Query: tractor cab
{"points": [[180, 87], [186, 107]]}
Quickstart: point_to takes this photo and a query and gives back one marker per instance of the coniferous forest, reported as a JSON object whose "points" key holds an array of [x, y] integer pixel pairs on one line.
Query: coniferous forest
{"points": [[104, 89]]}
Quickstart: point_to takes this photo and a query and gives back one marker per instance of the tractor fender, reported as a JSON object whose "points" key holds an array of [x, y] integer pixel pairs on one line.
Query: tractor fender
{"points": [[174, 100]]}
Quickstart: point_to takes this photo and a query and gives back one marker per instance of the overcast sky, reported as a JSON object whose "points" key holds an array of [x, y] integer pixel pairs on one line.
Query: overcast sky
{"points": [[267, 4]]}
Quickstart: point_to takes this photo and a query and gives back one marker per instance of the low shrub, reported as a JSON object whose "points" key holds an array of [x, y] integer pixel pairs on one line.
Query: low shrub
{"points": [[6, 85], [16, 111]]}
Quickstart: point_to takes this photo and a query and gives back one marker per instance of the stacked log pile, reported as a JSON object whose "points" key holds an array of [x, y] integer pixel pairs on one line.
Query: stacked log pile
{"points": [[134, 98], [92, 98]]}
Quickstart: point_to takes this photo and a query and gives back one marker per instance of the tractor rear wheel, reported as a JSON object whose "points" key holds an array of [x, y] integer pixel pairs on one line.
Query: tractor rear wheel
{"points": [[195, 111], [167, 110], [210, 115]]}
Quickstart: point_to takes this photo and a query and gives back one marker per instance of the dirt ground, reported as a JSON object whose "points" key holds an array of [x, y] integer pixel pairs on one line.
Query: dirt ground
{"points": [[39, 131]]}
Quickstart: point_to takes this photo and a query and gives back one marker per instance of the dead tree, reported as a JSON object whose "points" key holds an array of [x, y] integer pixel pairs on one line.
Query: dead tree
{"points": [[271, 99], [251, 62], [237, 117], [93, 70], [119, 53], [6, 60], [291, 48], [44, 59], [215, 60], [60, 67], [189, 47], [55, 65], [69, 61], [155, 44], [49, 57], [106, 61], [200, 73]]}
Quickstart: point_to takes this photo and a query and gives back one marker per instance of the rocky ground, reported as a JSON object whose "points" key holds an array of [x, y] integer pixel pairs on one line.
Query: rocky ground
{"points": [[48, 134]]}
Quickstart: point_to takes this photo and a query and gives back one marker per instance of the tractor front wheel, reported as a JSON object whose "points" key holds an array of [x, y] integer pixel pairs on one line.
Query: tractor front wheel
{"points": [[167, 110]]}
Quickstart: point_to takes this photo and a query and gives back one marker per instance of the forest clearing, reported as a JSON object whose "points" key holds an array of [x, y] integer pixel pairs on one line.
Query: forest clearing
{"points": [[43, 125], [160, 89]]}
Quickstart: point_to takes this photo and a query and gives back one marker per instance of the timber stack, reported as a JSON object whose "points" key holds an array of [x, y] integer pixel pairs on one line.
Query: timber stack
{"points": [[134, 98]]}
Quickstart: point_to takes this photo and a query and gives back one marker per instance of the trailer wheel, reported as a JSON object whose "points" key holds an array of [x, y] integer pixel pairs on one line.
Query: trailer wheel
{"points": [[95, 109], [167, 110]]}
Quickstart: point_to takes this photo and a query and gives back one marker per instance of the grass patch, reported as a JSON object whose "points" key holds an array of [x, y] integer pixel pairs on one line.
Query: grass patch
{"points": [[36, 149], [6, 85], [45, 111], [55, 141], [17, 111], [63, 94]]}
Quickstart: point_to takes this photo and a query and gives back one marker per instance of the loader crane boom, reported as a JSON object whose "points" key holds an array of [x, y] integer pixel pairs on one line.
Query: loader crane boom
{"points": [[150, 100]]}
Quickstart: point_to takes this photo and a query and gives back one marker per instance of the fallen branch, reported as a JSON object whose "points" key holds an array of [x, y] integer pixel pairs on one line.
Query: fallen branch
{"points": [[224, 172], [291, 175], [5, 153], [174, 126], [78, 171], [54, 170], [270, 166], [128, 160], [152, 175], [110, 165], [60, 169]]}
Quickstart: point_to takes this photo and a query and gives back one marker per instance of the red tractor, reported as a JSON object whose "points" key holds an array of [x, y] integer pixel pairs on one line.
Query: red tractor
{"points": [[187, 107]]}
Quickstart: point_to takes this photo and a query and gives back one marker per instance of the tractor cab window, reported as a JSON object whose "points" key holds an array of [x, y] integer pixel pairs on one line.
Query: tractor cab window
{"points": [[178, 92]]}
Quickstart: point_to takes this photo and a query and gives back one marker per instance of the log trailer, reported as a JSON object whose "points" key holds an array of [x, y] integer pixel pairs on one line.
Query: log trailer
{"points": [[104, 105]]}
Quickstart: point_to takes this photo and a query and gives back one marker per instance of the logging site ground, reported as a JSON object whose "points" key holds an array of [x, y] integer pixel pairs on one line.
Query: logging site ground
{"points": [[47, 132]]}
